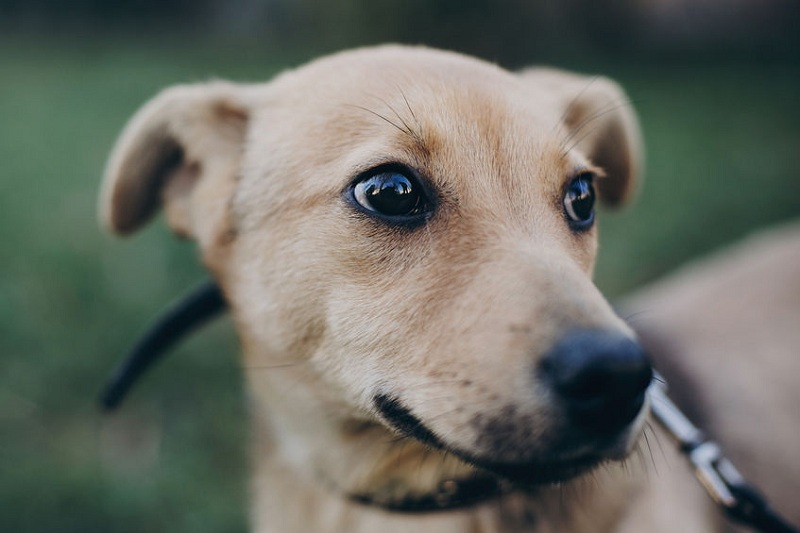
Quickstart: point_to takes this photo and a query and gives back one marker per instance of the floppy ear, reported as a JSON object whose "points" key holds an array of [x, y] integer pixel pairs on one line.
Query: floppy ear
{"points": [[182, 150], [601, 124]]}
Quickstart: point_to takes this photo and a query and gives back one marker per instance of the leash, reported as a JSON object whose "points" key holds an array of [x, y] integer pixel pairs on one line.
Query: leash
{"points": [[740, 501], [183, 316]]}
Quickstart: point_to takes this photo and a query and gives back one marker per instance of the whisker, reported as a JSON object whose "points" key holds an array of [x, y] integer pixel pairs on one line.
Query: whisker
{"points": [[637, 314], [274, 366], [385, 119], [407, 128], [573, 101], [650, 451], [649, 426], [410, 110], [443, 414], [608, 108], [573, 136]]}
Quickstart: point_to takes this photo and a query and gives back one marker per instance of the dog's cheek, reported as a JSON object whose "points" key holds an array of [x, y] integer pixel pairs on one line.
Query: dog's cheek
{"points": [[278, 309], [302, 295], [584, 247]]}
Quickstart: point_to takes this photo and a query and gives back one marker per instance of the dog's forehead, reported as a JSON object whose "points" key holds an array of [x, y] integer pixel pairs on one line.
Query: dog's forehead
{"points": [[409, 87], [462, 122]]}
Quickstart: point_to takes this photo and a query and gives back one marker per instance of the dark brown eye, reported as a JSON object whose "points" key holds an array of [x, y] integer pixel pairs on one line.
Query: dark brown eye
{"points": [[390, 194], [579, 201]]}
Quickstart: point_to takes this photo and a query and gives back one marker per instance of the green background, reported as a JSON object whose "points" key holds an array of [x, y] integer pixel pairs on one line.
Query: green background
{"points": [[723, 152]]}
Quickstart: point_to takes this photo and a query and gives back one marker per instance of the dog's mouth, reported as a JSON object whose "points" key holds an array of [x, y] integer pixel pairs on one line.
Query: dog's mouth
{"points": [[528, 474], [533, 474]]}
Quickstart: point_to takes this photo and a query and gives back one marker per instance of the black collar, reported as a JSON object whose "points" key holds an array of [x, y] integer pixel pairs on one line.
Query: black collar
{"points": [[449, 495]]}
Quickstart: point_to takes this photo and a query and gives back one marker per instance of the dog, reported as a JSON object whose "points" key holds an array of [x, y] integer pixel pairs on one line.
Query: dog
{"points": [[406, 239]]}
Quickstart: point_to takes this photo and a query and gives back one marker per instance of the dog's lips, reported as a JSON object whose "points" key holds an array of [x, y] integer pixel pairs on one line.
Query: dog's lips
{"points": [[565, 459], [543, 470], [531, 474]]}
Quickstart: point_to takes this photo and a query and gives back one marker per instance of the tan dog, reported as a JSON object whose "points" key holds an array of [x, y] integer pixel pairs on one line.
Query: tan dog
{"points": [[406, 239]]}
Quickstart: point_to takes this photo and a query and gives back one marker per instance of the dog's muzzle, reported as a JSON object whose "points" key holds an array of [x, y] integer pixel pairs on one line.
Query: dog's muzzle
{"points": [[596, 383]]}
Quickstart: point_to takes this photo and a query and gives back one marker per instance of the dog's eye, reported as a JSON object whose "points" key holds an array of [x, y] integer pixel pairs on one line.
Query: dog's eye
{"points": [[389, 193], [579, 201]]}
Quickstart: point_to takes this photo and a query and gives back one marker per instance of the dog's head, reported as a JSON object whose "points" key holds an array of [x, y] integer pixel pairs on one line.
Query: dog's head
{"points": [[406, 238]]}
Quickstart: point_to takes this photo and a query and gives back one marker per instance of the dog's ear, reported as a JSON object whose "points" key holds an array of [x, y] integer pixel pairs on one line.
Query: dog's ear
{"points": [[181, 150], [600, 123]]}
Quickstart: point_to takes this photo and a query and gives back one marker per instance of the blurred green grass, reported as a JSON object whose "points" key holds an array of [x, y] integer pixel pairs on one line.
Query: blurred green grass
{"points": [[723, 148]]}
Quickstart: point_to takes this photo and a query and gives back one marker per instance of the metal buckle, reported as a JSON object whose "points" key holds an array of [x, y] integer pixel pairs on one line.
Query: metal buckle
{"points": [[716, 473]]}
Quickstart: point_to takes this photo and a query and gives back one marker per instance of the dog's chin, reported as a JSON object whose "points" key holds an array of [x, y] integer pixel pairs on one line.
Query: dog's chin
{"points": [[534, 473], [569, 459]]}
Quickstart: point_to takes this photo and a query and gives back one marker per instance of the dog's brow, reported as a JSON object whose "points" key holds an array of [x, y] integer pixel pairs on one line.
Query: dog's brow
{"points": [[404, 127]]}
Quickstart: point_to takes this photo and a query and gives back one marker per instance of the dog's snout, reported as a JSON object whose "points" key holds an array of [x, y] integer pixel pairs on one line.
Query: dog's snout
{"points": [[599, 377]]}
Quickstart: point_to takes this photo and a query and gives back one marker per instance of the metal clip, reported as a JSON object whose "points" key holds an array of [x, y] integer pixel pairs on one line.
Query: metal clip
{"points": [[686, 434], [714, 471]]}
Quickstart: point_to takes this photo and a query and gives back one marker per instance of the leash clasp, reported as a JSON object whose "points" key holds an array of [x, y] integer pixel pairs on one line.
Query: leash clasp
{"points": [[716, 473], [686, 434], [721, 480]]}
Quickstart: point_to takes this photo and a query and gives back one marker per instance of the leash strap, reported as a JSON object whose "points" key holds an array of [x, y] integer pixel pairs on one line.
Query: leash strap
{"points": [[191, 311], [726, 486]]}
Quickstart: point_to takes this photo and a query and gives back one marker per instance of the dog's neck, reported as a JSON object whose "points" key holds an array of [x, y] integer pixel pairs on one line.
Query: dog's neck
{"points": [[367, 476], [362, 461]]}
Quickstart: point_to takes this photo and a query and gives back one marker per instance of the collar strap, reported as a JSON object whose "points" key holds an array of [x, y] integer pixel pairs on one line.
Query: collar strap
{"points": [[180, 318], [449, 495]]}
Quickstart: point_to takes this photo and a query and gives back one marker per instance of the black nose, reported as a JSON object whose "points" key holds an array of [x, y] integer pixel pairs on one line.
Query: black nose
{"points": [[600, 378]]}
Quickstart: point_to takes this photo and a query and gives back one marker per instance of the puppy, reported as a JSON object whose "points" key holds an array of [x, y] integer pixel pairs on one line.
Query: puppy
{"points": [[406, 240]]}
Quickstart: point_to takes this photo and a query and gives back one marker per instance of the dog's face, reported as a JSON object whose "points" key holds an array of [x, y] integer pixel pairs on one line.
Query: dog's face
{"points": [[406, 238]]}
